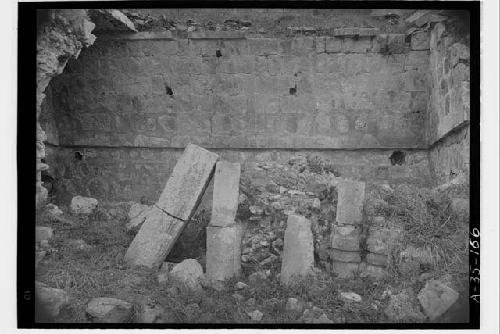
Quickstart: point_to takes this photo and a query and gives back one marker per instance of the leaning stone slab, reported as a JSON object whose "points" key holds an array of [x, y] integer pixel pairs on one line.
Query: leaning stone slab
{"points": [[187, 182], [154, 240], [223, 252], [436, 298], [298, 256], [351, 196], [166, 220], [346, 238], [226, 193]]}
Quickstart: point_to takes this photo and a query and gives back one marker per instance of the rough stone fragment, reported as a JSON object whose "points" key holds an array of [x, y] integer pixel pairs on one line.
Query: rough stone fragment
{"points": [[256, 315], [241, 286], [344, 269], [109, 310], [293, 305], [43, 233], [351, 296], [53, 210], [346, 238], [376, 259], [436, 298], [83, 205], [149, 314], [298, 250], [223, 252], [154, 240], [226, 193], [188, 273], [351, 196], [111, 20], [315, 316], [50, 299], [187, 182], [402, 308], [343, 256], [420, 40]]}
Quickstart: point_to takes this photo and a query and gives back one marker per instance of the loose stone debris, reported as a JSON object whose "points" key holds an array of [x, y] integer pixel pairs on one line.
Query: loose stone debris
{"points": [[436, 298], [109, 310]]}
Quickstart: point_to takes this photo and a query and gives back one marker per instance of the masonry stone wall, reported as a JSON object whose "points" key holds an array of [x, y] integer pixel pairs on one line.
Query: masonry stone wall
{"points": [[119, 116], [449, 104]]}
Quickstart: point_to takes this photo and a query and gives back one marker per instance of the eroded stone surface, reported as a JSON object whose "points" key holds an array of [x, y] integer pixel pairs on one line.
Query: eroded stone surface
{"points": [[187, 182], [351, 196], [223, 252], [188, 273], [226, 193], [83, 205], [436, 298], [298, 256], [51, 299]]}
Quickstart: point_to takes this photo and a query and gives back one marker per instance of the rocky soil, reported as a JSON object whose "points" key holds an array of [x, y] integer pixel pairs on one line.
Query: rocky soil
{"points": [[82, 277]]}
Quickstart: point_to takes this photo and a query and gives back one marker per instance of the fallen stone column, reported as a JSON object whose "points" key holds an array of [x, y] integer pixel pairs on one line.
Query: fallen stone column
{"points": [[223, 252], [298, 249], [177, 203]]}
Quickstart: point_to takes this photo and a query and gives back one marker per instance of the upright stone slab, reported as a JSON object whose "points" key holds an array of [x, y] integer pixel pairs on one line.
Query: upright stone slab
{"points": [[187, 182], [223, 252], [226, 193], [351, 196], [298, 256], [179, 199]]}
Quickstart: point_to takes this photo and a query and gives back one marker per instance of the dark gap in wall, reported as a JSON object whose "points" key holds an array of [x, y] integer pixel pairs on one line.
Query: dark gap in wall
{"points": [[218, 53], [78, 155], [397, 158], [293, 90], [169, 90]]}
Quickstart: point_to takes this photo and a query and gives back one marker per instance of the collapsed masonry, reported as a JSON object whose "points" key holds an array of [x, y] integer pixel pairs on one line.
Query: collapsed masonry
{"points": [[356, 246]]}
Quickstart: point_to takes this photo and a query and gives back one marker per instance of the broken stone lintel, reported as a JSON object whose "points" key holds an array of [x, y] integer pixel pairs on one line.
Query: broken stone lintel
{"points": [[216, 35], [143, 35]]}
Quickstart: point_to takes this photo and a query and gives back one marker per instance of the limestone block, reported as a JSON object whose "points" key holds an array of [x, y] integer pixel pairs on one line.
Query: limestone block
{"points": [[320, 44], [262, 46], [436, 298], [83, 205], [50, 299], [344, 269], [223, 252], [343, 256], [420, 40], [346, 237], [376, 259], [351, 196], [298, 250], [188, 273], [226, 193], [333, 44], [216, 35], [187, 182], [109, 310], [395, 43], [43, 233], [361, 45]]}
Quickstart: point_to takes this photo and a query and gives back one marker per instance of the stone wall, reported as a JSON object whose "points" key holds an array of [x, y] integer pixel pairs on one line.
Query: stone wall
{"points": [[353, 89], [449, 104], [129, 174]]}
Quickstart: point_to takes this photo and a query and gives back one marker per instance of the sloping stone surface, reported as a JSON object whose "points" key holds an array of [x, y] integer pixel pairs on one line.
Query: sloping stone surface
{"points": [[226, 193], [223, 251], [351, 196], [298, 257], [187, 182]]}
